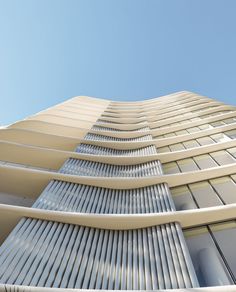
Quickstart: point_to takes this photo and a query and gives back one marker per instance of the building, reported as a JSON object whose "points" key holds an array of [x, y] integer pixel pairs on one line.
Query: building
{"points": [[105, 195]]}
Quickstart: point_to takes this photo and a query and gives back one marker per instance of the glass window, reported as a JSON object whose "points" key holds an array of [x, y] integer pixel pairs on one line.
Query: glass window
{"points": [[169, 135], [231, 134], [205, 127], [205, 161], [159, 137], [191, 144], [232, 151], [207, 261], [163, 149], [182, 132], [223, 157], [230, 121], [217, 124], [177, 147], [187, 165], [182, 198], [170, 168], [205, 116], [226, 188], [205, 141], [221, 137], [193, 129], [225, 235], [204, 194]]}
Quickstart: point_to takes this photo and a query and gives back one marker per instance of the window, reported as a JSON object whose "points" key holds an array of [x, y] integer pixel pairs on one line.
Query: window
{"points": [[205, 161], [177, 147], [208, 263], [204, 194], [187, 165], [223, 157], [182, 198], [226, 188], [170, 168], [225, 236]]}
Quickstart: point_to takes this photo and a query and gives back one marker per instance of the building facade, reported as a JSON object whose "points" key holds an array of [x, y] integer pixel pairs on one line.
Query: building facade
{"points": [[105, 195]]}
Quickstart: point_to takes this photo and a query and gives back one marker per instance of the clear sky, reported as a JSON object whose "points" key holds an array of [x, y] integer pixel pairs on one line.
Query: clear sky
{"points": [[51, 50]]}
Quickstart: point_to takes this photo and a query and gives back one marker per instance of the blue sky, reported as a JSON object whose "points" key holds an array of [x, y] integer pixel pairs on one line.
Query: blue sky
{"points": [[119, 49]]}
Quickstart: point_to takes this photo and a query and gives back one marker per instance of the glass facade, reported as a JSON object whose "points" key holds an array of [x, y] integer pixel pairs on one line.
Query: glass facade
{"points": [[214, 192], [204, 161], [212, 250]]}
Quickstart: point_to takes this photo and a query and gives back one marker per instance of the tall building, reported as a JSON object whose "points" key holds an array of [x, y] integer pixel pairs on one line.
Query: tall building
{"points": [[98, 194]]}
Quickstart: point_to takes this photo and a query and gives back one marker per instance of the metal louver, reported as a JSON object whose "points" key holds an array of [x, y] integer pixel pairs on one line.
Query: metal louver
{"points": [[51, 254], [99, 150], [100, 128], [96, 137], [70, 197], [91, 168]]}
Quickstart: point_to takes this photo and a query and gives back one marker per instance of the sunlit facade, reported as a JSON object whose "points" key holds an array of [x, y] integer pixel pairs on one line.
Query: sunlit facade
{"points": [[106, 195]]}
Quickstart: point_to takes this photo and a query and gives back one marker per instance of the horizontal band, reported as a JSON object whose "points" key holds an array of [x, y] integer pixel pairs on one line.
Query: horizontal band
{"points": [[186, 218], [30, 182], [50, 158]]}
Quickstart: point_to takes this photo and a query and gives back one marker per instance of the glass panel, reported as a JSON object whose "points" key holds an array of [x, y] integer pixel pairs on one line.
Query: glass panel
{"points": [[205, 127], [169, 135], [205, 161], [163, 149], [193, 130], [229, 121], [208, 264], [177, 147], [217, 124], [204, 194], [232, 151], [223, 157], [231, 134], [182, 198], [182, 132], [187, 165], [170, 168], [191, 144], [205, 141], [225, 235], [220, 137], [159, 137], [226, 188]]}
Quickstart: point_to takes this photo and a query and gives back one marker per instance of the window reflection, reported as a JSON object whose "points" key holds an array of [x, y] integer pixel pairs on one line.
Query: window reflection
{"points": [[215, 192], [210, 267], [225, 236]]}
